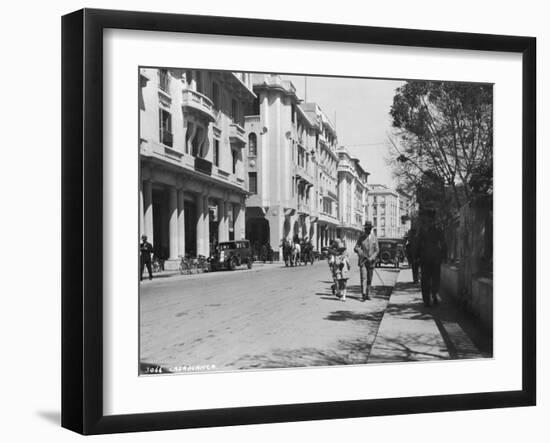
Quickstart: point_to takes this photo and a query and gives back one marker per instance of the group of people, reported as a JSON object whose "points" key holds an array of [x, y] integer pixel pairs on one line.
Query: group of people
{"points": [[266, 253], [297, 251], [367, 250], [425, 248]]}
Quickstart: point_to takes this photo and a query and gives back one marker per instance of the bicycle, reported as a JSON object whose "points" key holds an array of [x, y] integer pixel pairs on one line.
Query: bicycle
{"points": [[186, 265], [157, 264], [203, 264]]}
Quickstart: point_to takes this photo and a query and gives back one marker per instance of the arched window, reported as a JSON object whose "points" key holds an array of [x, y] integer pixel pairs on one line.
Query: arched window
{"points": [[252, 146]]}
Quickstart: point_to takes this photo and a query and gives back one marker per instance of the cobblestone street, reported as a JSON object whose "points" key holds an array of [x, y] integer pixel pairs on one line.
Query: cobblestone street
{"points": [[267, 317]]}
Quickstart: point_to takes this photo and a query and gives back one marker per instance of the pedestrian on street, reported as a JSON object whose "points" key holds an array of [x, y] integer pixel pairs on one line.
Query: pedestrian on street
{"points": [[341, 272], [331, 260], [367, 250], [145, 251], [431, 252], [264, 253], [269, 253], [411, 251]]}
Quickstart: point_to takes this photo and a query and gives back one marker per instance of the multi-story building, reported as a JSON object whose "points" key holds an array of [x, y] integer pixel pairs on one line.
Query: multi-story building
{"points": [[327, 176], [281, 163], [191, 143], [352, 195], [406, 209], [385, 211]]}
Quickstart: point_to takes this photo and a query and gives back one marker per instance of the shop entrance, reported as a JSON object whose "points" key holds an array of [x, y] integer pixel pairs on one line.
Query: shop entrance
{"points": [[257, 231]]}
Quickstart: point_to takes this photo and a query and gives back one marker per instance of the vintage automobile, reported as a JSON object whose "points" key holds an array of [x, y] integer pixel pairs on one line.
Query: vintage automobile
{"points": [[230, 254], [389, 253]]}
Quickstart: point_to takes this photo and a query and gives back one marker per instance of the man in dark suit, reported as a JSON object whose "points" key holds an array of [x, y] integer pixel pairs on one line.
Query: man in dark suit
{"points": [[145, 251], [431, 250], [367, 250], [410, 249]]}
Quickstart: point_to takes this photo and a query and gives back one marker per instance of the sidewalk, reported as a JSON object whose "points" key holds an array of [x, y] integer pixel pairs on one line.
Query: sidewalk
{"points": [[411, 332], [163, 275]]}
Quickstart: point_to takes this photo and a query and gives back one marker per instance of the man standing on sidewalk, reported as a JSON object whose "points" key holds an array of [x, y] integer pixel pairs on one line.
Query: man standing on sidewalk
{"points": [[145, 251], [367, 250], [431, 250], [410, 249]]}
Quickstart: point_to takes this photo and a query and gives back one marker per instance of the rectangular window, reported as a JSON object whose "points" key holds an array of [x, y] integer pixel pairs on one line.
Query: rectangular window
{"points": [[216, 153], [199, 82], [234, 158], [165, 127], [164, 80], [234, 110], [216, 95], [253, 182], [256, 106]]}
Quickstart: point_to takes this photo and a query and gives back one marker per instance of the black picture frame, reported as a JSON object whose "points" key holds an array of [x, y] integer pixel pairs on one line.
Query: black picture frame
{"points": [[82, 218]]}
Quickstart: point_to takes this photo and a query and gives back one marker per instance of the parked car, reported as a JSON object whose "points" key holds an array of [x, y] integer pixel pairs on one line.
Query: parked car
{"points": [[389, 253], [230, 254]]}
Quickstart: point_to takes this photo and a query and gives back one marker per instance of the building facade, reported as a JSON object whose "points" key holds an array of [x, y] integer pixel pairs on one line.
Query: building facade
{"points": [[406, 210], [191, 147], [327, 175], [389, 211], [352, 197], [281, 165]]}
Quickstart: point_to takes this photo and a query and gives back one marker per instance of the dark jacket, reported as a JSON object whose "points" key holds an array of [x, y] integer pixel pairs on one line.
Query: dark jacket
{"points": [[430, 244], [145, 250]]}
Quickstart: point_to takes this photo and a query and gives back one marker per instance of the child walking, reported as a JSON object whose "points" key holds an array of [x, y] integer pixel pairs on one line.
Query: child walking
{"points": [[341, 269]]}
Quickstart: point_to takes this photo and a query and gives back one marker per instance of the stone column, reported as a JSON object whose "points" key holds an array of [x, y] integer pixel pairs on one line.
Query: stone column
{"points": [[314, 239], [181, 222], [223, 234], [200, 224], [148, 210], [239, 223], [206, 222], [173, 223]]}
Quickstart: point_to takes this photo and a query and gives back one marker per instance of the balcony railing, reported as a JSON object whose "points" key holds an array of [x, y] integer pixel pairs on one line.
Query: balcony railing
{"points": [[164, 81], [202, 165], [198, 102], [252, 119], [303, 208], [237, 134]]}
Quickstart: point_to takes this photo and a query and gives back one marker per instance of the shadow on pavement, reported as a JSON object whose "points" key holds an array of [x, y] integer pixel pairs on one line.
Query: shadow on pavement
{"points": [[457, 328], [355, 316], [344, 353], [400, 352]]}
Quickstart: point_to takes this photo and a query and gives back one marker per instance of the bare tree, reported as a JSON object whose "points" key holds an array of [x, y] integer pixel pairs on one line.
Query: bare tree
{"points": [[443, 137]]}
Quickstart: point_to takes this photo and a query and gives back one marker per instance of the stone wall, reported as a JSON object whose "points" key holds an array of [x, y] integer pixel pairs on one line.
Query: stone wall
{"points": [[468, 274]]}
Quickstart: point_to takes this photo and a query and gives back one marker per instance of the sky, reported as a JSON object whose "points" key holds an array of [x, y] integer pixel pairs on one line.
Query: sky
{"points": [[360, 109]]}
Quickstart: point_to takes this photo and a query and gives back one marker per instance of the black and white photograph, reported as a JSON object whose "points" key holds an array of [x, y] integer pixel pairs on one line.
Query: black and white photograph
{"points": [[290, 220]]}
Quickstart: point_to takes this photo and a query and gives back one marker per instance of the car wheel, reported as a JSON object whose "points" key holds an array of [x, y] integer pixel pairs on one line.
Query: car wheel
{"points": [[249, 264], [232, 264]]}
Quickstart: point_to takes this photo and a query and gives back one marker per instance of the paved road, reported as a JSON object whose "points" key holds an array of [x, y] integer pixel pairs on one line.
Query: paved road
{"points": [[267, 317]]}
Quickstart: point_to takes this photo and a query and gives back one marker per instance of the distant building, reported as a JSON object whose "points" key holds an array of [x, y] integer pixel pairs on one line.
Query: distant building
{"points": [[327, 174], [281, 166], [384, 211], [406, 210], [352, 197], [192, 175]]}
